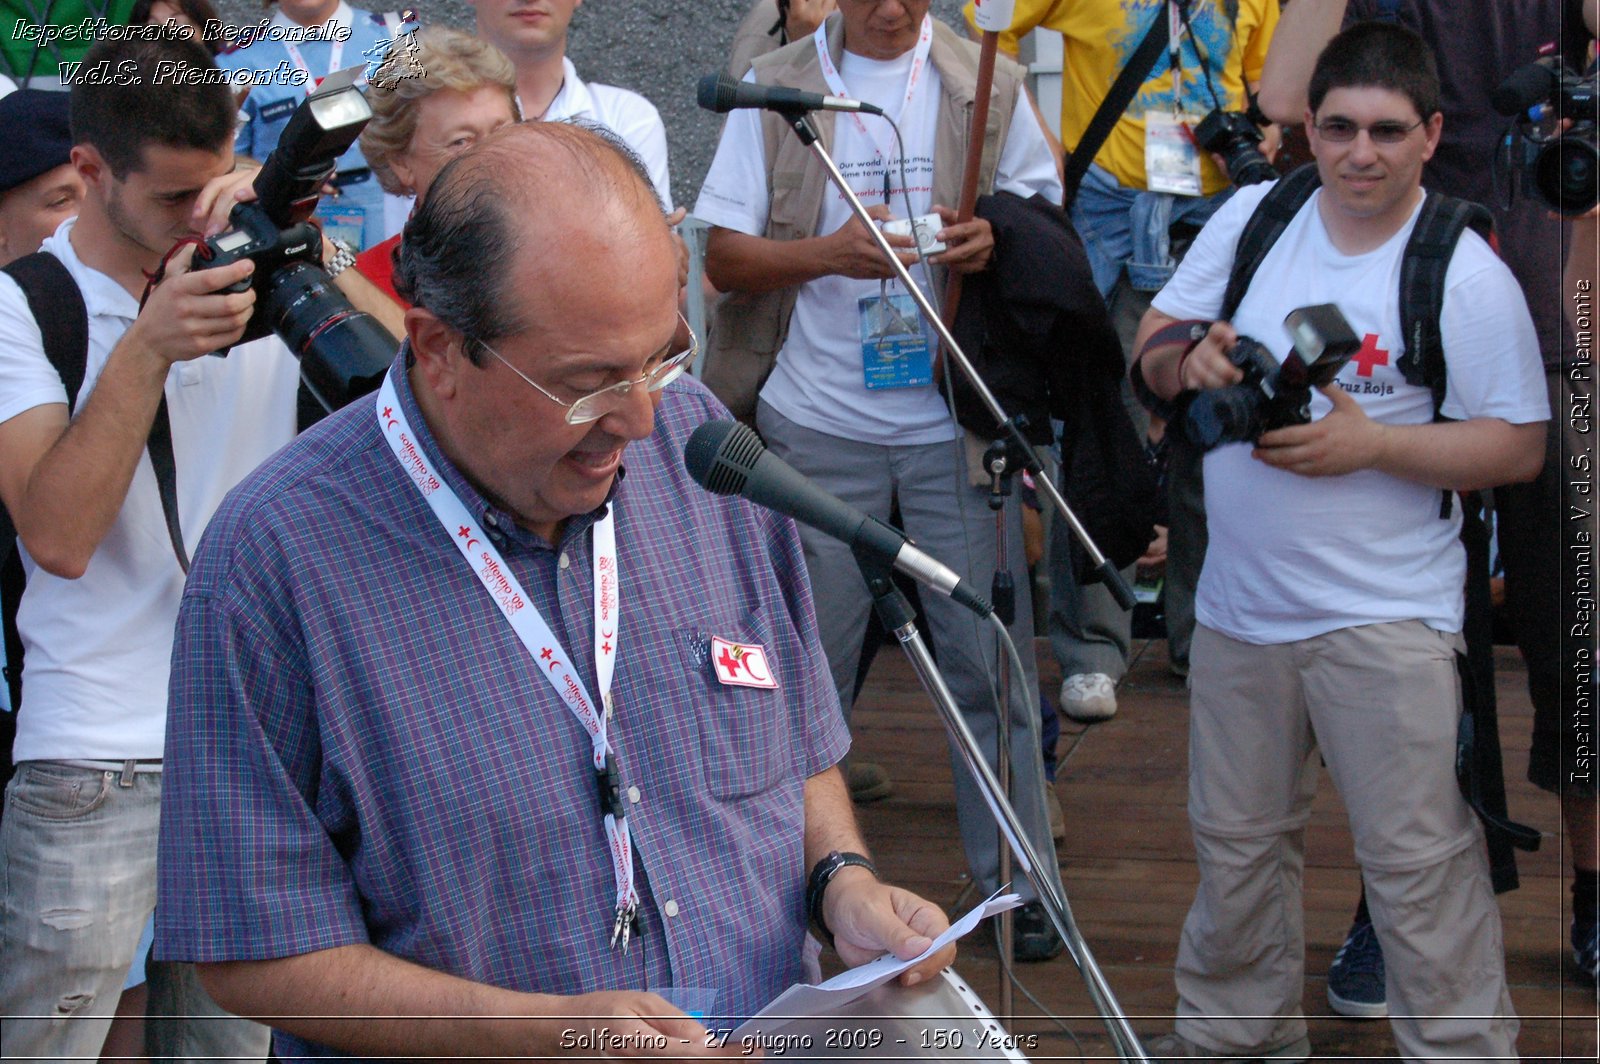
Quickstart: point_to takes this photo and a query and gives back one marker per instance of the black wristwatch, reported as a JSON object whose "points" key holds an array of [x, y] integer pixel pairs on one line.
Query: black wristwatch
{"points": [[817, 885]]}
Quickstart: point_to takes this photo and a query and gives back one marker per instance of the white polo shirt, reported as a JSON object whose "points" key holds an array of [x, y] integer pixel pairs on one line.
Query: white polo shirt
{"points": [[627, 114], [98, 649]]}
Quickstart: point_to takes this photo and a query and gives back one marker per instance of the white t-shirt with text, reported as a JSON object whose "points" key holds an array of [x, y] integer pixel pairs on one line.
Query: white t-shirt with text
{"points": [[1289, 556], [819, 381]]}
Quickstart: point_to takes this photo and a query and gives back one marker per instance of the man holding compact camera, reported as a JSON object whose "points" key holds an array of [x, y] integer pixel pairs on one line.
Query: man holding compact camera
{"points": [[851, 404], [105, 525], [1329, 607]]}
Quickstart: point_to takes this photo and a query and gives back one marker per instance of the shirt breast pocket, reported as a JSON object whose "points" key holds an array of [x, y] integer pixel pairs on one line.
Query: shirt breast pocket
{"points": [[745, 745]]}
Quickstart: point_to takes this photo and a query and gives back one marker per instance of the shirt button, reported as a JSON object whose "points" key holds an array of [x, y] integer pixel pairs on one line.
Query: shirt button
{"points": [[564, 561], [633, 795], [491, 520], [670, 908]]}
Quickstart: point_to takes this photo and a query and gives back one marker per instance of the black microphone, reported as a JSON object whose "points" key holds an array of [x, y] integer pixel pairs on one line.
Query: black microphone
{"points": [[721, 93], [727, 458], [1525, 87]]}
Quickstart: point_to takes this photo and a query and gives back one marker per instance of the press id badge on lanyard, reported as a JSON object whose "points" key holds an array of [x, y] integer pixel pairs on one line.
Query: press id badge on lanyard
{"points": [[1171, 154], [894, 349]]}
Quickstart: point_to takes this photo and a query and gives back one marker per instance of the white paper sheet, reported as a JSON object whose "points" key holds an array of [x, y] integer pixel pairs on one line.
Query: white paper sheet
{"points": [[803, 999]]}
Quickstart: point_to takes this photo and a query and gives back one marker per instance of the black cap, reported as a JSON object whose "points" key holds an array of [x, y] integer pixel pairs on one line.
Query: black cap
{"points": [[34, 135]]}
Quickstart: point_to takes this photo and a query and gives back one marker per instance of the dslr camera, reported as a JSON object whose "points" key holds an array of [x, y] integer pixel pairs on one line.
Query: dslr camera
{"points": [[343, 352], [1234, 136], [1273, 395], [1564, 169]]}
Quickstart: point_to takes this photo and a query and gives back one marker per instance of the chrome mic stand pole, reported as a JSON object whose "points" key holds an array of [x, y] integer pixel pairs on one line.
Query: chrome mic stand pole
{"points": [[1114, 582], [1002, 594], [900, 621]]}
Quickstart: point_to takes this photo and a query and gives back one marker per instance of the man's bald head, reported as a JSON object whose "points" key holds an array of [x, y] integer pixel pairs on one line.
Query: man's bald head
{"points": [[532, 187]]}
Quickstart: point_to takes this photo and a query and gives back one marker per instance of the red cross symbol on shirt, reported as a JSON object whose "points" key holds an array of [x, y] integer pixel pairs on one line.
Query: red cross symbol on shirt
{"points": [[464, 532], [546, 654], [606, 647], [388, 411], [1370, 355], [729, 662]]}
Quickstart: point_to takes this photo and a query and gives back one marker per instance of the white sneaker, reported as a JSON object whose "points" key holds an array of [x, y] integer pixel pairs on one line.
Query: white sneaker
{"points": [[1089, 697]]}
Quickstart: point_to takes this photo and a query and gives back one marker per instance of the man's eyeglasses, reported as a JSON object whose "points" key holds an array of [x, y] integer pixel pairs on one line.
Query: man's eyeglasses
{"points": [[1342, 131], [598, 404]]}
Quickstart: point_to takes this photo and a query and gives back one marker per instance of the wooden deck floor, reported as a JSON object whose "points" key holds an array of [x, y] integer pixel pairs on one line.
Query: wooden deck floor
{"points": [[1129, 871]]}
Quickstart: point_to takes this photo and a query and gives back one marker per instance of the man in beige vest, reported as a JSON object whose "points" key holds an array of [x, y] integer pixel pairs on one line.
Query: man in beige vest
{"points": [[810, 343]]}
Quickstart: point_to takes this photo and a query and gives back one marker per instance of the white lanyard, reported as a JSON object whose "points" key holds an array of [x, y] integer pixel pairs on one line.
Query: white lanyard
{"points": [[919, 62], [554, 664], [335, 57], [1175, 53]]}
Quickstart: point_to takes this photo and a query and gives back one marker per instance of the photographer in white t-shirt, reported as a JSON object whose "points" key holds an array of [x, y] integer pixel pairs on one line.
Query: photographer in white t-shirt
{"points": [[1330, 605]]}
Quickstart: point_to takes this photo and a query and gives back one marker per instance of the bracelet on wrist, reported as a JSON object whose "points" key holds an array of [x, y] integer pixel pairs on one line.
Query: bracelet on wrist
{"points": [[817, 886], [343, 257]]}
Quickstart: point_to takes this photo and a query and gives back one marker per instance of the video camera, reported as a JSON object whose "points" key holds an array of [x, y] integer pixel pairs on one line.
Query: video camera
{"points": [[1273, 395], [1565, 168], [1234, 136], [343, 352]]}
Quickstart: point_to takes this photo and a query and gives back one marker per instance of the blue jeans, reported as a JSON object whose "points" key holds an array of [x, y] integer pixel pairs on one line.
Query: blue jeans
{"points": [[1128, 228], [78, 881]]}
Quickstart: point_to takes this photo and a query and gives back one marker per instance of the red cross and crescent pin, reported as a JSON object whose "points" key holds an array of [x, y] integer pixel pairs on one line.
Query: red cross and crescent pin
{"points": [[741, 664]]}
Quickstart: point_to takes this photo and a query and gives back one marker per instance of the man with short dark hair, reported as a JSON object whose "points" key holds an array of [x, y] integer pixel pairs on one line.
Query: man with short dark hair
{"points": [[78, 842], [1330, 602], [797, 344], [478, 748]]}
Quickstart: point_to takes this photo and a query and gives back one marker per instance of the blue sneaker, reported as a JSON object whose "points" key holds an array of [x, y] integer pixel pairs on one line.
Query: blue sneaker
{"points": [[1355, 980], [1586, 950]]}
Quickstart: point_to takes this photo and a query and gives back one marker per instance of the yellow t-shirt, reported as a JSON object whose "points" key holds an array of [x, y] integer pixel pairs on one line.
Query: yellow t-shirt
{"points": [[1099, 37]]}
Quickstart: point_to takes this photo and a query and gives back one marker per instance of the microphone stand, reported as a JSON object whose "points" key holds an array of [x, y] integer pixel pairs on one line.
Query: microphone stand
{"points": [[898, 618], [1003, 594]]}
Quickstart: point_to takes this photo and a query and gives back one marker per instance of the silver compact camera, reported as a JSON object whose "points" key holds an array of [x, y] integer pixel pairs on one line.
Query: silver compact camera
{"points": [[923, 228]]}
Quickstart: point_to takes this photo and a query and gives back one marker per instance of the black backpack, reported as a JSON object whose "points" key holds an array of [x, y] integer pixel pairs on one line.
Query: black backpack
{"points": [[1439, 226]]}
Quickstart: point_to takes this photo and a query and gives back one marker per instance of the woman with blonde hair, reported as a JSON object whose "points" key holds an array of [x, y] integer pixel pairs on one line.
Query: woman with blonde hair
{"points": [[450, 91]]}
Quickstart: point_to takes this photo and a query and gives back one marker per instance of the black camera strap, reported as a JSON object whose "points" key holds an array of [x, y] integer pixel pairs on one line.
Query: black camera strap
{"points": [[1110, 111], [159, 446]]}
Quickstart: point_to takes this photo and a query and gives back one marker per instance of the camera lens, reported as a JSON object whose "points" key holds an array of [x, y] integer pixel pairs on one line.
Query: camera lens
{"points": [[1566, 173], [1223, 415], [1247, 166], [343, 352]]}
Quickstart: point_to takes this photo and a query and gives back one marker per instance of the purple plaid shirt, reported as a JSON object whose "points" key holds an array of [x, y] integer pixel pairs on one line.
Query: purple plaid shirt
{"points": [[359, 749]]}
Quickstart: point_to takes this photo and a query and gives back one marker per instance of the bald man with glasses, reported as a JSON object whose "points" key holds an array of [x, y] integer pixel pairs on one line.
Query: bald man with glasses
{"points": [[481, 747]]}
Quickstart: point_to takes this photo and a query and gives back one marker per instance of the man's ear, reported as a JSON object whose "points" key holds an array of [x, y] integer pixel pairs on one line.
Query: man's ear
{"points": [[1431, 130], [439, 350], [90, 164]]}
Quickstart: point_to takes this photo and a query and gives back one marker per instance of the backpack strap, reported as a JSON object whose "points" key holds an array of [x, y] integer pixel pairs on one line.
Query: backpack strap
{"points": [[1270, 218], [61, 314], [1422, 272], [63, 318]]}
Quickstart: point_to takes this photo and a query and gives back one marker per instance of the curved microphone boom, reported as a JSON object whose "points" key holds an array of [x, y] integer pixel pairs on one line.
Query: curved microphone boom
{"points": [[727, 458], [721, 93]]}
